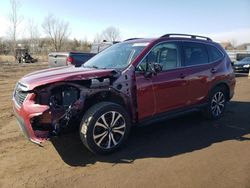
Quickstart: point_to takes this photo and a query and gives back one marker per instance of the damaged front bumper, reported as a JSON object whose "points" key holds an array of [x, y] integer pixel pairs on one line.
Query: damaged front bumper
{"points": [[24, 114]]}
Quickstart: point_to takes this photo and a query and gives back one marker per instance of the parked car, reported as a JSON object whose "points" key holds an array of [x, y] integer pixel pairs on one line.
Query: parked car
{"points": [[57, 59], [131, 83], [242, 65]]}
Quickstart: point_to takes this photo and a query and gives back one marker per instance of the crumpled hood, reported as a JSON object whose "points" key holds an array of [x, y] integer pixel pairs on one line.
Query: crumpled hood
{"points": [[68, 73]]}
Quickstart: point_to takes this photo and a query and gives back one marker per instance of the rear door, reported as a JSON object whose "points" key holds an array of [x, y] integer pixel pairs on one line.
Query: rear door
{"points": [[198, 71]]}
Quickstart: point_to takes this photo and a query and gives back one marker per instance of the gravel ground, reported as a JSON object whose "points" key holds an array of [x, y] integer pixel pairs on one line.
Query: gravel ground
{"points": [[187, 151]]}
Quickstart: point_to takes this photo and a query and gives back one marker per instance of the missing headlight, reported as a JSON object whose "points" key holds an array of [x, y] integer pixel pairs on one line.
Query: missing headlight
{"points": [[64, 96]]}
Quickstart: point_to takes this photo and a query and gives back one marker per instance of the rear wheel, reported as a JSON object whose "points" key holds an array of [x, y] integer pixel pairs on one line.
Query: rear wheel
{"points": [[104, 127], [217, 103]]}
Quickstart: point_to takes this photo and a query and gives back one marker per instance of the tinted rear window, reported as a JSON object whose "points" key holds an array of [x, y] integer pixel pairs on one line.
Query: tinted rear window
{"points": [[214, 53], [82, 57], [195, 54]]}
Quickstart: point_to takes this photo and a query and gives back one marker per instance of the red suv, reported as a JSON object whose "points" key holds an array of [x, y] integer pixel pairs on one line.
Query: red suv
{"points": [[134, 82]]}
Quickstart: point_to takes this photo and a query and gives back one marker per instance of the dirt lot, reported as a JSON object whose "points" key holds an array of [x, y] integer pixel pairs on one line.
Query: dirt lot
{"points": [[184, 152]]}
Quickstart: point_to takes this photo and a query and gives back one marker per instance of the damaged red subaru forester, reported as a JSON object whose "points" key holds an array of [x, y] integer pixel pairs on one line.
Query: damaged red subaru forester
{"points": [[134, 82]]}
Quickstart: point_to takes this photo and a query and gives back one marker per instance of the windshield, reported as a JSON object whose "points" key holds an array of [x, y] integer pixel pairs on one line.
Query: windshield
{"points": [[117, 56]]}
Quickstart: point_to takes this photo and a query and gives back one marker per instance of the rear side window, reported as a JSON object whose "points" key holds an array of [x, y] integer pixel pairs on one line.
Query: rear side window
{"points": [[194, 54], [214, 53]]}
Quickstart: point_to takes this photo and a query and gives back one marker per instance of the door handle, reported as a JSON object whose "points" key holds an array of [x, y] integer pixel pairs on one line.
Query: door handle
{"points": [[213, 70], [142, 89], [182, 75]]}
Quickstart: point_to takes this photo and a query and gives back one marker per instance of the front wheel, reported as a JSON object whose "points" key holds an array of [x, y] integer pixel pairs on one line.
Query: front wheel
{"points": [[104, 127], [217, 104]]}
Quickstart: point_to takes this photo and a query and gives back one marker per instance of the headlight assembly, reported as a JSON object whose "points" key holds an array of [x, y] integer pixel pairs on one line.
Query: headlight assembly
{"points": [[246, 66]]}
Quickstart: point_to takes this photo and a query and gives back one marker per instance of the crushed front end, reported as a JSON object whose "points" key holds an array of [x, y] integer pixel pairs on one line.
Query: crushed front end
{"points": [[49, 109], [25, 109], [42, 112]]}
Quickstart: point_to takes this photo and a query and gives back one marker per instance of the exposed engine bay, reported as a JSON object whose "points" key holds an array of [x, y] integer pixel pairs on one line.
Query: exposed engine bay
{"points": [[64, 104]]}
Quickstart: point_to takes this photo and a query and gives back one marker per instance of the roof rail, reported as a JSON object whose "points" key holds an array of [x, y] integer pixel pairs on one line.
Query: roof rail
{"points": [[187, 35], [131, 39]]}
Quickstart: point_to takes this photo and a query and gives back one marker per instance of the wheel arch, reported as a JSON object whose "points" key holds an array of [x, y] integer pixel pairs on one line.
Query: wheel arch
{"points": [[107, 96], [222, 84]]}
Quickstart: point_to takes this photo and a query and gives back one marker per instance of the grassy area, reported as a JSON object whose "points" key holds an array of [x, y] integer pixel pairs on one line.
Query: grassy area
{"points": [[6, 58], [10, 59]]}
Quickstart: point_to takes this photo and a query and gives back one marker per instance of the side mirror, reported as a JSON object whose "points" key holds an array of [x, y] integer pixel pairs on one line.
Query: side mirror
{"points": [[152, 69], [157, 67]]}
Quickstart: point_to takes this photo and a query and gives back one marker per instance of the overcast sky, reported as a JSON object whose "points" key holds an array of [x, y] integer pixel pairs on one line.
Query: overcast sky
{"points": [[219, 19]]}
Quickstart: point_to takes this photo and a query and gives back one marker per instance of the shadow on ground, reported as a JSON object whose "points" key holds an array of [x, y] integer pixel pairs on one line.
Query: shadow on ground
{"points": [[165, 139]]}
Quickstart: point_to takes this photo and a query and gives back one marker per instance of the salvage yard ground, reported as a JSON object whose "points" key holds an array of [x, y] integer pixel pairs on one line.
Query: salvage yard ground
{"points": [[184, 152]]}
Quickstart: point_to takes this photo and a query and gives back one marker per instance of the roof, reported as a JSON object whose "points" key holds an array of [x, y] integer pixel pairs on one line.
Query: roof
{"points": [[172, 36]]}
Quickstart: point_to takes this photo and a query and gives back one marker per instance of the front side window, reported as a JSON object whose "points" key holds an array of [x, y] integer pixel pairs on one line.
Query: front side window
{"points": [[166, 54], [195, 54]]}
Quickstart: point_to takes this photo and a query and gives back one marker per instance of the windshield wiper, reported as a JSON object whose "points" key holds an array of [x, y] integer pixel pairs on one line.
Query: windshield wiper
{"points": [[93, 66]]}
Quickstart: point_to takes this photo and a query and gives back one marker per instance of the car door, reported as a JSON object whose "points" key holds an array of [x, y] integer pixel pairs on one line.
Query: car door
{"points": [[198, 71], [166, 90]]}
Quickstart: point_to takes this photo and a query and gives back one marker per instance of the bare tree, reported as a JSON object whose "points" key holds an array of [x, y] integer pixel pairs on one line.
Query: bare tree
{"points": [[111, 34], [78, 45], [98, 38], [233, 42], [34, 34], [2, 45], [33, 30], [57, 30], [15, 20]]}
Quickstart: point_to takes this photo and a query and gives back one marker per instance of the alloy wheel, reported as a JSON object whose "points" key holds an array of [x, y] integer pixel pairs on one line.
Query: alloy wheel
{"points": [[109, 130], [218, 103]]}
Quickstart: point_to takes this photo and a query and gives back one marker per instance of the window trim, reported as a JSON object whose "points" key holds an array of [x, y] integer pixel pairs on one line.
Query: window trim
{"points": [[219, 59], [183, 54], [180, 44], [205, 44]]}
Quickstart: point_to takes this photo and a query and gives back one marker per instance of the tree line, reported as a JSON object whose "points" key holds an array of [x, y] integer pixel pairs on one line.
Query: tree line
{"points": [[56, 31]]}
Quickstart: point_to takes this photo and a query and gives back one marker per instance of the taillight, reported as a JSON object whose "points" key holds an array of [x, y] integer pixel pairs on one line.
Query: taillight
{"points": [[70, 60]]}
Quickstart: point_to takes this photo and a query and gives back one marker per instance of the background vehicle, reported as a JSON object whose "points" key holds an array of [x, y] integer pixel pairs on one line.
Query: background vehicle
{"points": [[100, 46], [57, 59], [242, 65], [22, 56], [135, 82]]}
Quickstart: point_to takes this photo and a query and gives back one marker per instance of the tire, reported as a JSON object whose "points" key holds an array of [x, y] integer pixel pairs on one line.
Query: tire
{"points": [[216, 104], [104, 127]]}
